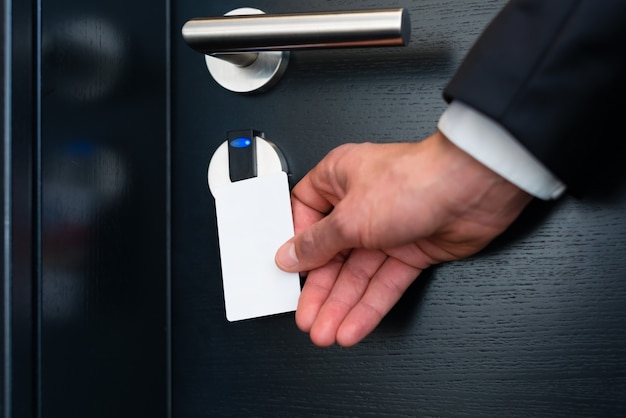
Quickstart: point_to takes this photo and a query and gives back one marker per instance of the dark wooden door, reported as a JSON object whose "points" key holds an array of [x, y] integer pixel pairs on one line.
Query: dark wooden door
{"points": [[85, 219], [111, 295], [531, 326]]}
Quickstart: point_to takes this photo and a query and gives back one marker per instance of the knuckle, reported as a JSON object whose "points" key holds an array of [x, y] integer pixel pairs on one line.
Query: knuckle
{"points": [[357, 272], [306, 245], [345, 226], [374, 310]]}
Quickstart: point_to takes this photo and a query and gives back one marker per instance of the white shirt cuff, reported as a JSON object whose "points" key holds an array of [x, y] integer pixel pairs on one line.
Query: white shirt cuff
{"points": [[489, 143]]}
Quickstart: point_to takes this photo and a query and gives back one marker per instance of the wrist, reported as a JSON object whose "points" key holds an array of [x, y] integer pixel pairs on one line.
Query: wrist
{"points": [[475, 185]]}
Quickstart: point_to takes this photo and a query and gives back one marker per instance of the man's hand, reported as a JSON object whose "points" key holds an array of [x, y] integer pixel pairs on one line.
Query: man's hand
{"points": [[370, 217]]}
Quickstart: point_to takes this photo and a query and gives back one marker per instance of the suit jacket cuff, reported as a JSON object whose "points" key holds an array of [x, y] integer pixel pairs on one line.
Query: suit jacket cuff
{"points": [[490, 144]]}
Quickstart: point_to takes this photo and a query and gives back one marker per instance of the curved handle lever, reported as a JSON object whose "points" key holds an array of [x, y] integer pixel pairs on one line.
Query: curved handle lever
{"points": [[247, 38]]}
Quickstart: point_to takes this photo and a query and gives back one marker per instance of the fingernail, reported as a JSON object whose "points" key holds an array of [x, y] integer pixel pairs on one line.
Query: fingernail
{"points": [[286, 256]]}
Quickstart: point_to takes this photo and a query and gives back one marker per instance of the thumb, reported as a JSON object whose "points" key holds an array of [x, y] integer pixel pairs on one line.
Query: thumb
{"points": [[313, 247]]}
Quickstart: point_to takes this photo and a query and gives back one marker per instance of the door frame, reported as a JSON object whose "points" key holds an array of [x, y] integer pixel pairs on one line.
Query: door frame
{"points": [[21, 292], [20, 208]]}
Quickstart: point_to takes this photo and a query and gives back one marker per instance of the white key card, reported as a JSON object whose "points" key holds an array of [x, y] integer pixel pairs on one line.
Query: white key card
{"points": [[253, 220]]}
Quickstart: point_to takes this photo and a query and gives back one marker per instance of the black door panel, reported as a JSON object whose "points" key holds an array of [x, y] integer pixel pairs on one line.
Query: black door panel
{"points": [[499, 334], [112, 298]]}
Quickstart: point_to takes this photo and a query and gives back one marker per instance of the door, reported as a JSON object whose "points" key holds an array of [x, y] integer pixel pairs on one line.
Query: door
{"points": [[530, 326], [85, 219], [111, 295]]}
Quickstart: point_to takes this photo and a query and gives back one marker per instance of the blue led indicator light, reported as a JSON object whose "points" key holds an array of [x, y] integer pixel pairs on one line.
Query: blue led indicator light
{"points": [[240, 142]]}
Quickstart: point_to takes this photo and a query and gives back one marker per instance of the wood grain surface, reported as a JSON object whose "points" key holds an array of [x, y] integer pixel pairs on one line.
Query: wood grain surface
{"points": [[532, 326]]}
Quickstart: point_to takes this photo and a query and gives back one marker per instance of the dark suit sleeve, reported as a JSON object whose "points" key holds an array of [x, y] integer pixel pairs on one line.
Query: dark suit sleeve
{"points": [[552, 73]]}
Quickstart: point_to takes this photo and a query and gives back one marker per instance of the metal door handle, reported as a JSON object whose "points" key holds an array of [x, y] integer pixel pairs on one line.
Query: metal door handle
{"points": [[247, 50]]}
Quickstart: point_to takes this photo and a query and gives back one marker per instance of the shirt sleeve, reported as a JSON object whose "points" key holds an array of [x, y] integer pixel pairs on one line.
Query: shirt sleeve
{"points": [[552, 75], [493, 146]]}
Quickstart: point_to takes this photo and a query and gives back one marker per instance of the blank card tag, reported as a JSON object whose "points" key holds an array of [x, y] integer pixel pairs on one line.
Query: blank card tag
{"points": [[253, 221]]}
